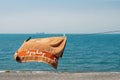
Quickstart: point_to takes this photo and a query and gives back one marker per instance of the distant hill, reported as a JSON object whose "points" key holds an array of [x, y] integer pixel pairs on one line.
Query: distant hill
{"points": [[110, 32]]}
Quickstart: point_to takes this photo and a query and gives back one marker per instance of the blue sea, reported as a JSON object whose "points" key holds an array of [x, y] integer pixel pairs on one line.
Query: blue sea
{"points": [[83, 53]]}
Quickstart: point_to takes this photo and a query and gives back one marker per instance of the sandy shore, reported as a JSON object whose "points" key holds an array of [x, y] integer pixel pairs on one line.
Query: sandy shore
{"points": [[43, 75]]}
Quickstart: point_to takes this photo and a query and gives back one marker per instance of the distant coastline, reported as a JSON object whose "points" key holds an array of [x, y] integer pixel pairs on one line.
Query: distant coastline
{"points": [[40, 33]]}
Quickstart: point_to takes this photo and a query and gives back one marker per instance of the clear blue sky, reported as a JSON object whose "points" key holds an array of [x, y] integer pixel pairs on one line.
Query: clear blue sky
{"points": [[59, 16]]}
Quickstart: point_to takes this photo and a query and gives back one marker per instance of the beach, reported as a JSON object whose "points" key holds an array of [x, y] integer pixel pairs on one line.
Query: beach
{"points": [[44, 75]]}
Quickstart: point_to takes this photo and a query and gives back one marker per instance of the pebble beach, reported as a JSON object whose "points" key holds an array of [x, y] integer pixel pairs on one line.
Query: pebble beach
{"points": [[44, 75]]}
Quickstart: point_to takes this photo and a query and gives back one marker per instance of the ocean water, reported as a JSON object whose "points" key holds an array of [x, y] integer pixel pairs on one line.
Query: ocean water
{"points": [[83, 53]]}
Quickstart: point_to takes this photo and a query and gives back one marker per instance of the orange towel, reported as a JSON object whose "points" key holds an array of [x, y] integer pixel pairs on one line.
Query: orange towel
{"points": [[47, 50]]}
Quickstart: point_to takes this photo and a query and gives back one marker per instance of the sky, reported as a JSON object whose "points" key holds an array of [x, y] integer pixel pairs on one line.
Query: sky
{"points": [[59, 16]]}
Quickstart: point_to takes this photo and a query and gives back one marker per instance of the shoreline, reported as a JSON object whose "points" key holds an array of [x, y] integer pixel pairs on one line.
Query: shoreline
{"points": [[47, 75]]}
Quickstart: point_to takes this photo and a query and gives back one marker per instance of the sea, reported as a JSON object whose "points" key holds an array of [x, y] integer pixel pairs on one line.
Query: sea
{"points": [[83, 53]]}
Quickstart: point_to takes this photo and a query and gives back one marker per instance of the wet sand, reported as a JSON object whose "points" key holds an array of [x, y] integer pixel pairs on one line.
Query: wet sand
{"points": [[44, 75]]}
